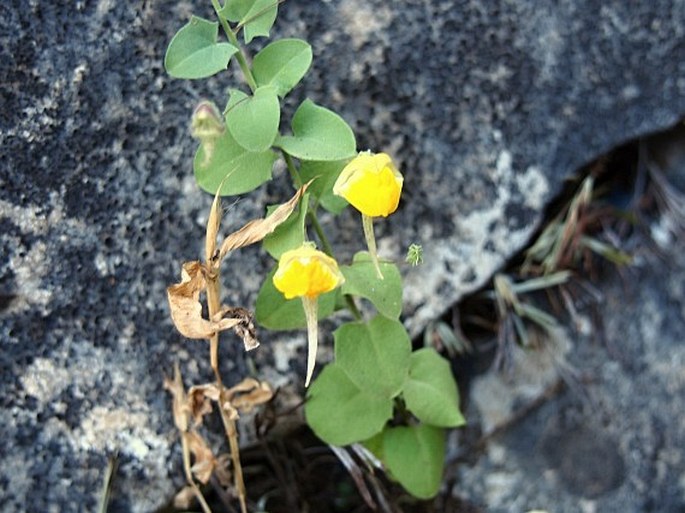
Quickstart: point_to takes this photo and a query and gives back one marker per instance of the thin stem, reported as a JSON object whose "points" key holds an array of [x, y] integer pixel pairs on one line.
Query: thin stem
{"points": [[232, 435], [213, 306], [240, 56], [294, 173], [352, 307], [325, 243], [367, 223]]}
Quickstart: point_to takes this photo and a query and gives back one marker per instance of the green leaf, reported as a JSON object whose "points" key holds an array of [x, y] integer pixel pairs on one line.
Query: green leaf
{"points": [[326, 173], [415, 456], [194, 53], [273, 311], [256, 16], [282, 64], [244, 170], [374, 355], [253, 120], [431, 393], [319, 134], [361, 280], [291, 233], [340, 412]]}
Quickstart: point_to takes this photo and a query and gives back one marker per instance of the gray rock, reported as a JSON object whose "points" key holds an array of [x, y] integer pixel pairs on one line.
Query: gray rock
{"points": [[486, 106], [613, 443], [612, 440]]}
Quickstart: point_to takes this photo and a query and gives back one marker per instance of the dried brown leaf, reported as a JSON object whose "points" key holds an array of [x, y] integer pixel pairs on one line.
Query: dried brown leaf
{"points": [[222, 472], [184, 498], [199, 400], [257, 229], [204, 458], [246, 395], [180, 401], [245, 328], [186, 309]]}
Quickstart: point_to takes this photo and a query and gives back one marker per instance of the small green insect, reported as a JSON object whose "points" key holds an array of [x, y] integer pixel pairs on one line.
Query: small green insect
{"points": [[414, 254]]}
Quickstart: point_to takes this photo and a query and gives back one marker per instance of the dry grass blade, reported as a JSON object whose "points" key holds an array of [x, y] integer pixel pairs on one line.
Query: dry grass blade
{"points": [[356, 473], [213, 224], [257, 229], [112, 464], [180, 401]]}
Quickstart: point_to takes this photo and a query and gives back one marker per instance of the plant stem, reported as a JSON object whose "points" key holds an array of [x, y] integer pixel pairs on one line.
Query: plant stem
{"points": [[294, 173], [240, 56], [232, 435], [325, 244], [352, 307], [213, 306], [367, 223]]}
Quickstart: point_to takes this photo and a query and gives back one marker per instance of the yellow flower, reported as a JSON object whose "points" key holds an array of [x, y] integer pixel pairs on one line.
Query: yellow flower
{"points": [[371, 184], [306, 272]]}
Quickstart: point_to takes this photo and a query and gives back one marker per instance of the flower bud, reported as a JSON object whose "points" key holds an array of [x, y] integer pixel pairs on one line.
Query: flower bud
{"points": [[207, 125], [371, 184]]}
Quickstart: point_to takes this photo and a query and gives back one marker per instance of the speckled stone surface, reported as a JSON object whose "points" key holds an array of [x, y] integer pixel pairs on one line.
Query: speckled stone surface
{"points": [[485, 105], [612, 440]]}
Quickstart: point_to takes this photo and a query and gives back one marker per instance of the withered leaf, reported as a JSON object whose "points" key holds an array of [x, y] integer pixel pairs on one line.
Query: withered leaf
{"points": [[184, 498], [180, 402], [245, 328], [199, 400], [221, 471], [186, 309], [204, 458], [246, 395], [257, 229]]}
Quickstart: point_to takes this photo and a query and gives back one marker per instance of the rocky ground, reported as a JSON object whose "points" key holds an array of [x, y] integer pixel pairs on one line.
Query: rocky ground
{"points": [[486, 106]]}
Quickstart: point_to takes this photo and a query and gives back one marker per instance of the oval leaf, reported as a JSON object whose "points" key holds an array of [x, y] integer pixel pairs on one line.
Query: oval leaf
{"points": [[253, 120], [361, 280], [273, 311], [240, 170], [282, 64], [319, 134], [415, 457], [431, 393], [374, 355], [340, 412], [256, 16], [194, 53]]}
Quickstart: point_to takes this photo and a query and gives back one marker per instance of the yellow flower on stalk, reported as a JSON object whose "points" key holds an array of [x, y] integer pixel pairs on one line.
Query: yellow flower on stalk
{"points": [[306, 273], [372, 184]]}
